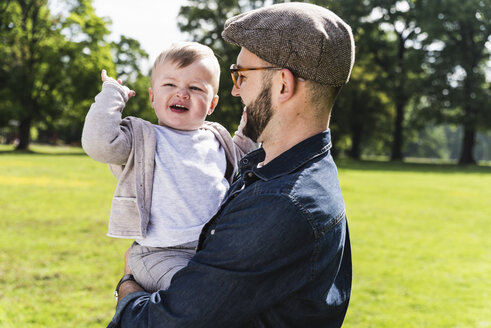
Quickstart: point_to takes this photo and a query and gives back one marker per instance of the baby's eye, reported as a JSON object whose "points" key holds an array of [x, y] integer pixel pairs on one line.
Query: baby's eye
{"points": [[196, 88], [169, 85]]}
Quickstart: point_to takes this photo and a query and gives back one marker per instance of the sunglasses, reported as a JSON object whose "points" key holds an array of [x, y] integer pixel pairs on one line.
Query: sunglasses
{"points": [[237, 78]]}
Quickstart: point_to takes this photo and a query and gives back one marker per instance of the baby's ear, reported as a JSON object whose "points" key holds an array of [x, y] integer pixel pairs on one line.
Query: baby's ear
{"points": [[150, 96], [213, 104]]}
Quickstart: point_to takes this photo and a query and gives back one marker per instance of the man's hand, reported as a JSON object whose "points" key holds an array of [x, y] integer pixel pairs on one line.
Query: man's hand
{"points": [[243, 120], [128, 286], [127, 90]]}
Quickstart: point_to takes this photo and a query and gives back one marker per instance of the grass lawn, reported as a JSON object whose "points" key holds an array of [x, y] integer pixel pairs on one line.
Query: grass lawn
{"points": [[420, 239]]}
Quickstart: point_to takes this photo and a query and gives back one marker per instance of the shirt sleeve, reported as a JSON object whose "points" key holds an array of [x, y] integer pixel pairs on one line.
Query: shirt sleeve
{"points": [[104, 138], [256, 254]]}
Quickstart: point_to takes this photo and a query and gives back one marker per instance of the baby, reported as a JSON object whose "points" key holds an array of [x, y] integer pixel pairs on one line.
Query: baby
{"points": [[172, 177]]}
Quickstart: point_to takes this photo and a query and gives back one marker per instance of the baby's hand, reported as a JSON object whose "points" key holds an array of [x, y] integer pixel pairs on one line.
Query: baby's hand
{"points": [[105, 78], [243, 119]]}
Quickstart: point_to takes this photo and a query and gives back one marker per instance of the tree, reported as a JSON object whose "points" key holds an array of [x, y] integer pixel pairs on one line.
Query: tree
{"points": [[398, 53], [362, 108], [204, 22], [30, 43], [457, 33], [85, 52], [362, 113], [128, 58], [48, 64]]}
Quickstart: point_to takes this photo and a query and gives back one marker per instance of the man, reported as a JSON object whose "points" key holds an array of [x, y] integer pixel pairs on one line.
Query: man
{"points": [[277, 254]]}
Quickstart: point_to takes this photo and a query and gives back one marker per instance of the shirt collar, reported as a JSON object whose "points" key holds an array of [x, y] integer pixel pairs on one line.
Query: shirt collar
{"points": [[288, 161]]}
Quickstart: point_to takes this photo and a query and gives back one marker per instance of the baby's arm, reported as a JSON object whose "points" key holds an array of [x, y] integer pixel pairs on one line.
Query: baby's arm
{"points": [[104, 138], [130, 93]]}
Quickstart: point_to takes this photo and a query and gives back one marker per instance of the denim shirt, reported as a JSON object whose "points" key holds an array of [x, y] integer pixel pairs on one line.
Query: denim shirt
{"points": [[277, 254]]}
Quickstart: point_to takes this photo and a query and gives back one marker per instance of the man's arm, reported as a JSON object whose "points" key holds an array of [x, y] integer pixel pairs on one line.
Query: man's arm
{"points": [[257, 255], [129, 286]]}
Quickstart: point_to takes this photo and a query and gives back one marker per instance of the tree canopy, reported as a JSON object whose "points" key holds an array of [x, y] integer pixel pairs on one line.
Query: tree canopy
{"points": [[422, 71], [50, 65]]}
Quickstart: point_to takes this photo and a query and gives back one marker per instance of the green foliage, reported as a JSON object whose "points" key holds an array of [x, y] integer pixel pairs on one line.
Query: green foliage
{"points": [[401, 81], [50, 66], [139, 105], [29, 64], [128, 58], [434, 142], [204, 22], [419, 235], [457, 91], [418, 62]]}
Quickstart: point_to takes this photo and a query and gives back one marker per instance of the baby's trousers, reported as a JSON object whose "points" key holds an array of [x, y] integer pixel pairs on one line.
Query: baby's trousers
{"points": [[154, 267]]}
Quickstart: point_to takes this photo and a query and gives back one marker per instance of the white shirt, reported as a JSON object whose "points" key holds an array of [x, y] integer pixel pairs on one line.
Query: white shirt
{"points": [[188, 187]]}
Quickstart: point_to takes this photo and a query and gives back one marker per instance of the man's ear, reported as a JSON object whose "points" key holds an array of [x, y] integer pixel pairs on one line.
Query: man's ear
{"points": [[213, 104], [287, 85], [150, 96]]}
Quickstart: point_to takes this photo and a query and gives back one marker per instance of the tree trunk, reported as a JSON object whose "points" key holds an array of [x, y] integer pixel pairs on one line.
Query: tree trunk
{"points": [[468, 141], [400, 99], [397, 136], [24, 134], [356, 135]]}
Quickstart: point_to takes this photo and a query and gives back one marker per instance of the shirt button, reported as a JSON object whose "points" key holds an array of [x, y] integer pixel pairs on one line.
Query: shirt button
{"points": [[250, 174], [212, 232]]}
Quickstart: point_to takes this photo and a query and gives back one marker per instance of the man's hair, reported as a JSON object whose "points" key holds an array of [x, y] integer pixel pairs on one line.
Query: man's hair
{"points": [[184, 54], [321, 97]]}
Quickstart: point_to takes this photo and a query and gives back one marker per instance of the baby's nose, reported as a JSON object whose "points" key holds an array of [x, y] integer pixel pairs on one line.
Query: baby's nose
{"points": [[183, 93]]}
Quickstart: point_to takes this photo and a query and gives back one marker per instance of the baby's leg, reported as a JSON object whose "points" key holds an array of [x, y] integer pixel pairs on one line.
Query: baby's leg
{"points": [[154, 267]]}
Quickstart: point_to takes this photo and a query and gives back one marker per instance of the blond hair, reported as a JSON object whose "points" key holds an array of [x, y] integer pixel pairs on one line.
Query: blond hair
{"points": [[184, 54]]}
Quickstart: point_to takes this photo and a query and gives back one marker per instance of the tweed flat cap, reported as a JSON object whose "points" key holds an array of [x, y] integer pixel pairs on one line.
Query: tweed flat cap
{"points": [[311, 41]]}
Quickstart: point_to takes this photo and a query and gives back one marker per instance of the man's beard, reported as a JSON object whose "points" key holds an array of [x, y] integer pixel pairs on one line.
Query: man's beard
{"points": [[258, 114]]}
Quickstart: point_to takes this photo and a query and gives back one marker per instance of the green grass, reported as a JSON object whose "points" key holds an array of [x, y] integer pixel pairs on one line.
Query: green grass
{"points": [[421, 244], [420, 239], [57, 267]]}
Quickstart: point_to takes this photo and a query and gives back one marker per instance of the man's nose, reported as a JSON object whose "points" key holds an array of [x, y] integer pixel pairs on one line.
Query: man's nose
{"points": [[235, 91]]}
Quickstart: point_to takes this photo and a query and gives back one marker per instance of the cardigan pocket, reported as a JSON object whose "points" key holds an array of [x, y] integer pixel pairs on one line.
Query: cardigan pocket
{"points": [[125, 221]]}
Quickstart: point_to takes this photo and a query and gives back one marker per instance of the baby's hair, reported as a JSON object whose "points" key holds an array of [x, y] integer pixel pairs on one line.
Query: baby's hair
{"points": [[184, 54]]}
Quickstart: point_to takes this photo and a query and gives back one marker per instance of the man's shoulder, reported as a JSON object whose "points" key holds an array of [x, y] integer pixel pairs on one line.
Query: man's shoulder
{"points": [[315, 175], [313, 190]]}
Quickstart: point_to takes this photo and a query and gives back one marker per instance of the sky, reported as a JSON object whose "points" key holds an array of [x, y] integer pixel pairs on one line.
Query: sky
{"points": [[151, 22]]}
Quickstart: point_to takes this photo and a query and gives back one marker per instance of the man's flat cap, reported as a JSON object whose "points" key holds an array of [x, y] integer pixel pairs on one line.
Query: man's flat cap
{"points": [[311, 41]]}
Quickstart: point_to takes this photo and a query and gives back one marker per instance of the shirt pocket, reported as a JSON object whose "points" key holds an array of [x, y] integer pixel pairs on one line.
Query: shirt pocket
{"points": [[125, 221]]}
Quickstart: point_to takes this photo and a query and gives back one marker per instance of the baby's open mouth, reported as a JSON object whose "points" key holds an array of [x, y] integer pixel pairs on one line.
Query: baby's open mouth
{"points": [[179, 108]]}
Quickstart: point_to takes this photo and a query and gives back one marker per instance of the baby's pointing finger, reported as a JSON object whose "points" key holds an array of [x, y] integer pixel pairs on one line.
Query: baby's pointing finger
{"points": [[103, 75]]}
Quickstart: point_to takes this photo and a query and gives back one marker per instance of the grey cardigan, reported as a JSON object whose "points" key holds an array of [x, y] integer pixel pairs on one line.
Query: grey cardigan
{"points": [[128, 146]]}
